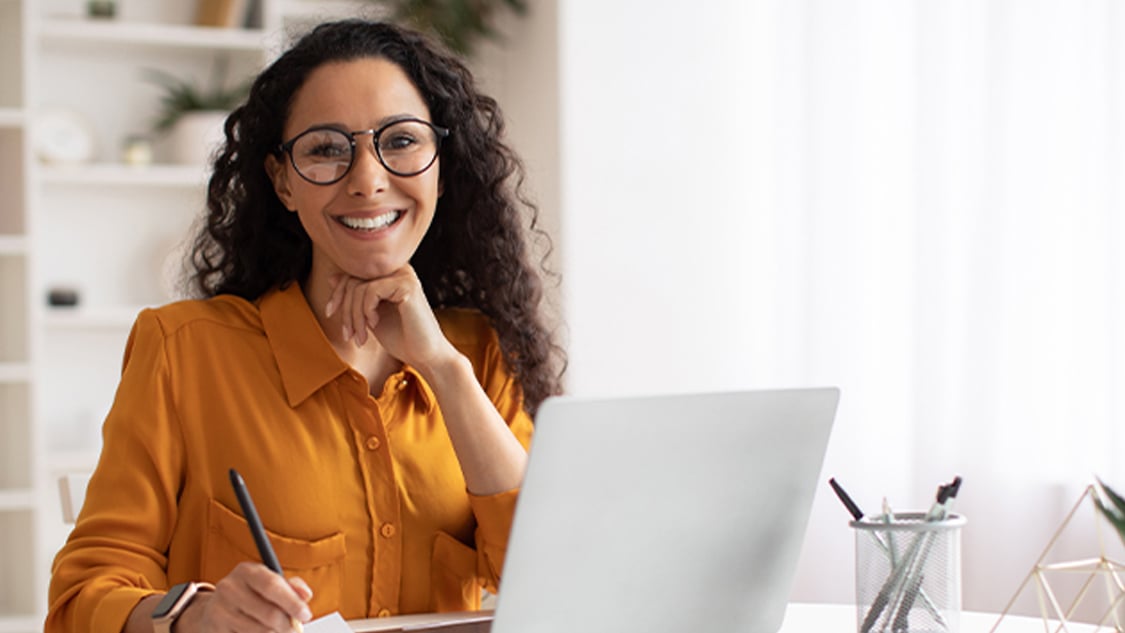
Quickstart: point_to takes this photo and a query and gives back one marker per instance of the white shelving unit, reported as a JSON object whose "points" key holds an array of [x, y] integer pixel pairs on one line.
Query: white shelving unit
{"points": [[12, 245], [19, 451], [115, 174], [168, 36], [102, 228], [11, 118], [16, 500], [14, 373]]}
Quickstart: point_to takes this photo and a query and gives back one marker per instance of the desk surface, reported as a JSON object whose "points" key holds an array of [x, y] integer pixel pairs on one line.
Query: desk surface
{"points": [[799, 618]]}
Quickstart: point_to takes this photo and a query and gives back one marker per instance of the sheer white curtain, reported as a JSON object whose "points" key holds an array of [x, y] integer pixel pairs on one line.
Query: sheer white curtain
{"points": [[921, 202]]}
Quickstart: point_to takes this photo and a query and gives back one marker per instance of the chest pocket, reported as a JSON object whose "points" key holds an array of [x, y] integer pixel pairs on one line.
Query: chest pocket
{"points": [[320, 562]]}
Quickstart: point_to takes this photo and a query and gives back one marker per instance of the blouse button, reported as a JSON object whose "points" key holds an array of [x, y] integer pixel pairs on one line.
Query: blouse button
{"points": [[373, 443], [388, 530], [383, 613]]}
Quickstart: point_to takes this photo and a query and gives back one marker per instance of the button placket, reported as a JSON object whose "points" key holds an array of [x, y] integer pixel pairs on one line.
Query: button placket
{"points": [[383, 506]]}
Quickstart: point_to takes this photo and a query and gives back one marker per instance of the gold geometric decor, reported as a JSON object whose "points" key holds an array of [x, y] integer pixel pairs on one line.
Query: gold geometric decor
{"points": [[1091, 588]]}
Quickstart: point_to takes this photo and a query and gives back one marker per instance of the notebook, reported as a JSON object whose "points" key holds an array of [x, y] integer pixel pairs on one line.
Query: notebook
{"points": [[668, 513]]}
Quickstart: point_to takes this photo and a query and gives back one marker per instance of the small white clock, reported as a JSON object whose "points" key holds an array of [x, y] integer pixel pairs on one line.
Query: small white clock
{"points": [[62, 136]]}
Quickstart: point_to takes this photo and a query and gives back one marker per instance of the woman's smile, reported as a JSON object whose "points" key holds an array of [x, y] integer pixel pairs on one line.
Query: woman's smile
{"points": [[371, 224]]}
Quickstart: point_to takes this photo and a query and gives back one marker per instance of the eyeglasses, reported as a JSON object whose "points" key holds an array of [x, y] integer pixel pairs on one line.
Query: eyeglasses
{"points": [[323, 155]]}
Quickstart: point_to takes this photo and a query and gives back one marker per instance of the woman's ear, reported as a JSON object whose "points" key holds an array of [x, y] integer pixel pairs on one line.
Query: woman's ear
{"points": [[279, 176]]}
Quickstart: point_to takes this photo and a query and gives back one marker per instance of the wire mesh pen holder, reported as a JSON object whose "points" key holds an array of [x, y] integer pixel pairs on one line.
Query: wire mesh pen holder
{"points": [[908, 573]]}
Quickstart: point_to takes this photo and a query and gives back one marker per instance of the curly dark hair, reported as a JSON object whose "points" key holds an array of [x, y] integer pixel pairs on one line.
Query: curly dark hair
{"points": [[475, 254]]}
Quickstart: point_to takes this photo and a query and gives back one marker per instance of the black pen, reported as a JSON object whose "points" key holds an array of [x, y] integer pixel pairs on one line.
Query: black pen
{"points": [[853, 509], [265, 550]]}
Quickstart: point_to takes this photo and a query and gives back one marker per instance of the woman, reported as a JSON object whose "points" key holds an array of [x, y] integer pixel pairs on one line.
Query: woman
{"points": [[363, 183]]}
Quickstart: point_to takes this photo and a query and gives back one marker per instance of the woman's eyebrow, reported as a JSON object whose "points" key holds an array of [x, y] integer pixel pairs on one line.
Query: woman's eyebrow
{"points": [[394, 118], [383, 122]]}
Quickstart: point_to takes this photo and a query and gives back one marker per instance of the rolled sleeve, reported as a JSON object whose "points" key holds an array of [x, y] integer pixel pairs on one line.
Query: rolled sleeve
{"points": [[494, 524]]}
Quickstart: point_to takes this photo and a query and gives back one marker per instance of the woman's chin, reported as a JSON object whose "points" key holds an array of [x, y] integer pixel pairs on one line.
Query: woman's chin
{"points": [[375, 270]]}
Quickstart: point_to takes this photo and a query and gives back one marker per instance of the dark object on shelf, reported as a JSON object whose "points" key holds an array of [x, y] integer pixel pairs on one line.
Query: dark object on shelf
{"points": [[101, 8], [62, 297]]}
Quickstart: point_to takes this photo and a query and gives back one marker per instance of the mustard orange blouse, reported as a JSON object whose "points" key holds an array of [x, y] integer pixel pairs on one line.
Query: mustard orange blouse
{"points": [[362, 496]]}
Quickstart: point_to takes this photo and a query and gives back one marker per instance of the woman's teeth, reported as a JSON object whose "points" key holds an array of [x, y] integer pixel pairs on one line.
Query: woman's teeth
{"points": [[371, 224]]}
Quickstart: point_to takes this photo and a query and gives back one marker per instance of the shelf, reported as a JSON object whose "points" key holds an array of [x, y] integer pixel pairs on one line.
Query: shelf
{"points": [[91, 318], [160, 35], [13, 245], [14, 373], [20, 623], [309, 9], [71, 461], [120, 174], [11, 118], [13, 500]]}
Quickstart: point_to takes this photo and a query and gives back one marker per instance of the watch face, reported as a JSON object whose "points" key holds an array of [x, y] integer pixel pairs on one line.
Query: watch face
{"points": [[170, 599]]}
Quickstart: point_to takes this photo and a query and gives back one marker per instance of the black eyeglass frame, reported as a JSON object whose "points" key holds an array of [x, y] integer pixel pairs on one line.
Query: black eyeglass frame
{"points": [[439, 134]]}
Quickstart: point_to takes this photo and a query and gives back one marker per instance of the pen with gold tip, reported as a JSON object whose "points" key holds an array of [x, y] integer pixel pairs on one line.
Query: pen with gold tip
{"points": [[258, 531]]}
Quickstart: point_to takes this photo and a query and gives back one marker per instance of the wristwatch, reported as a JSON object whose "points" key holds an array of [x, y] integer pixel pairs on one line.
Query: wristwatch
{"points": [[175, 601]]}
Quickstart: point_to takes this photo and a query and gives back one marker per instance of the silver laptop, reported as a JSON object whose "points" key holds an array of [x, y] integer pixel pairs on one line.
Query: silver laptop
{"points": [[657, 514], [668, 513]]}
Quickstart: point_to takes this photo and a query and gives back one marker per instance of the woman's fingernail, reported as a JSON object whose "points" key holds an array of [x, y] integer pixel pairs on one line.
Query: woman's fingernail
{"points": [[330, 308], [305, 615], [347, 333]]}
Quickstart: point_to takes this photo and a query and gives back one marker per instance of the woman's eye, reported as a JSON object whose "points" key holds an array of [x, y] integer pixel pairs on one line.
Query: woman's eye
{"points": [[398, 142], [328, 150]]}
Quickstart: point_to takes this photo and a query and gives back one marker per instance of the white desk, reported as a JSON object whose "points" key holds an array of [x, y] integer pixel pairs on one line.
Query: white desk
{"points": [[799, 618], [825, 618]]}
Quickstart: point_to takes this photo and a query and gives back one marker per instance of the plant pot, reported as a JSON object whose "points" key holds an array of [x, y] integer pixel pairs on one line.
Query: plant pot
{"points": [[196, 136]]}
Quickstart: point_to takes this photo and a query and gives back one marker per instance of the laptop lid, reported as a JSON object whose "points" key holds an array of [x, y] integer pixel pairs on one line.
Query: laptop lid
{"points": [[666, 513]]}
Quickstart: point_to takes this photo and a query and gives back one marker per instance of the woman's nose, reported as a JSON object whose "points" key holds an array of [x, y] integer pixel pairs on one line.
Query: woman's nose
{"points": [[368, 175]]}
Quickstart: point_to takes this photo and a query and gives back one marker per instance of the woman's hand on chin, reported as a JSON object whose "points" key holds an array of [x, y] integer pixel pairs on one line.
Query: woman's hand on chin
{"points": [[394, 310]]}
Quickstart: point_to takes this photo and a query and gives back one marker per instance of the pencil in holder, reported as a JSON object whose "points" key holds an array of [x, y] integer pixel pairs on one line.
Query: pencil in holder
{"points": [[908, 573]]}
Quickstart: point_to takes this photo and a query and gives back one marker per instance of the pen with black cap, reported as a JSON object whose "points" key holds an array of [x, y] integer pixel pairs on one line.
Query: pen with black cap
{"points": [[265, 549]]}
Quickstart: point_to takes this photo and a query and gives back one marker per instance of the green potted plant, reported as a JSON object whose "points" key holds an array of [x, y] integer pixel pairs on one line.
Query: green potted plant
{"points": [[1112, 506], [460, 23], [192, 115]]}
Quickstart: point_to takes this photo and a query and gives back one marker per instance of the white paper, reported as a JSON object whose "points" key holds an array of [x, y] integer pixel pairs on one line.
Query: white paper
{"points": [[331, 623]]}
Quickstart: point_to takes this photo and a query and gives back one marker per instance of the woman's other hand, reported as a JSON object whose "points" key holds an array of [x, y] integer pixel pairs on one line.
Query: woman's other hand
{"points": [[250, 598]]}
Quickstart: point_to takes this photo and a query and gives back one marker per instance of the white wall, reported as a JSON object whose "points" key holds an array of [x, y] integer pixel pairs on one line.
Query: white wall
{"points": [[655, 204], [669, 158], [918, 202]]}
